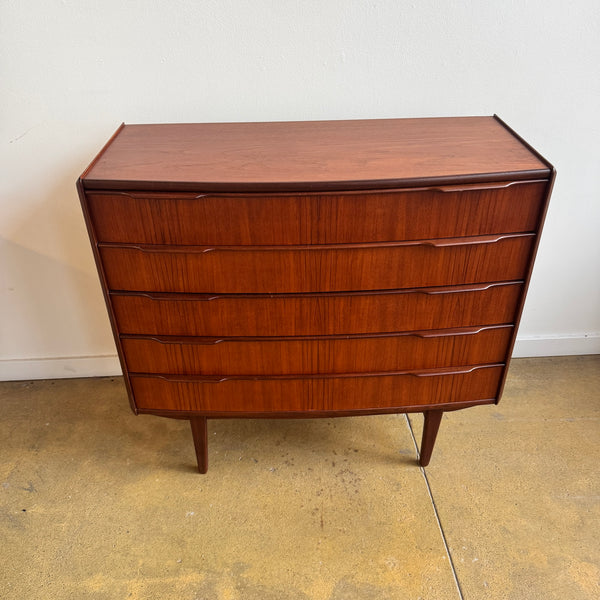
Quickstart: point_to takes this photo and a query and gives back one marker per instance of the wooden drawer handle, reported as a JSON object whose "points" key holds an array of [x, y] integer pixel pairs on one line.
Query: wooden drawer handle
{"points": [[158, 249], [460, 371], [204, 379], [476, 188], [437, 333], [212, 379], [213, 341], [179, 297], [462, 289], [472, 241], [443, 189], [436, 243], [198, 341]]}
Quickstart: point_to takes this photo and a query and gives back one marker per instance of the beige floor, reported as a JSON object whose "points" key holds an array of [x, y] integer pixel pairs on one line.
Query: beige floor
{"points": [[96, 503]]}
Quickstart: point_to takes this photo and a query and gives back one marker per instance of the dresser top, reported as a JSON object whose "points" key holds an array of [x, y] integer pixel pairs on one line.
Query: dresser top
{"points": [[312, 155]]}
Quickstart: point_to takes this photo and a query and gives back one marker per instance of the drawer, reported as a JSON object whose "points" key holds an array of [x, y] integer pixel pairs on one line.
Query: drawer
{"points": [[291, 269], [288, 356], [319, 218], [316, 314], [321, 393]]}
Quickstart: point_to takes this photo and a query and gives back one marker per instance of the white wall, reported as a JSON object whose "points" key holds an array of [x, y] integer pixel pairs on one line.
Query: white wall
{"points": [[71, 71]]}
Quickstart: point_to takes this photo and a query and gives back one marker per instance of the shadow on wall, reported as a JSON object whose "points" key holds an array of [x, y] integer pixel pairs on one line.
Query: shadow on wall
{"points": [[50, 297]]}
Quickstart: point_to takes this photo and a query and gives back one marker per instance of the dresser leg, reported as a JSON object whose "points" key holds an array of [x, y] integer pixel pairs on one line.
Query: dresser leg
{"points": [[200, 442], [430, 429]]}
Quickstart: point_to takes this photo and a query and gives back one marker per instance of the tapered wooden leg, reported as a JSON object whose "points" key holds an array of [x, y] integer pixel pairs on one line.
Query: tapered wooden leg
{"points": [[430, 429], [200, 442]]}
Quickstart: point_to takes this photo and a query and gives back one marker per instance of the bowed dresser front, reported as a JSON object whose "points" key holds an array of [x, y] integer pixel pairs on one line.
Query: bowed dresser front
{"points": [[315, 269]]}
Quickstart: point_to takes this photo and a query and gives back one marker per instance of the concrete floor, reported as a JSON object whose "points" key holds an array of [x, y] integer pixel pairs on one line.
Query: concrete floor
{"points": [[96, 503]]}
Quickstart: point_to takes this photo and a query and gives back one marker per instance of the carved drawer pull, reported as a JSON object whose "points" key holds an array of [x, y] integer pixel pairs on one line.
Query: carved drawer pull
{"points": [[436, 243], [482, 187], [457, 371]]}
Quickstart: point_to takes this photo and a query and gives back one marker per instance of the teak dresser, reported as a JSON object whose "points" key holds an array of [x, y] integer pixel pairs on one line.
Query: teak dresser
{"points": [[315, 269]]}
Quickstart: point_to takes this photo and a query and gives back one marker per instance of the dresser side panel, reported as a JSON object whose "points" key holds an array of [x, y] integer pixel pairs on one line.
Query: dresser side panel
{"points": [[105, 291]]}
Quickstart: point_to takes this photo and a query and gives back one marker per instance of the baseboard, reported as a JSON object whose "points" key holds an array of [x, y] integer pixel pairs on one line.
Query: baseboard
{"points": [[19, 369], [558, 345], [107, 365]]}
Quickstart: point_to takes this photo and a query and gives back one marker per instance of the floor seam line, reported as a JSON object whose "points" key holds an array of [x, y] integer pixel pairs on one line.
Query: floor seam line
{"points": [[435, 512]]}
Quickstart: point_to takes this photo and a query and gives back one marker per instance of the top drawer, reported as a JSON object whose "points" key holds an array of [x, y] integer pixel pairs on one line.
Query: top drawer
{"points": [[319, 218]]}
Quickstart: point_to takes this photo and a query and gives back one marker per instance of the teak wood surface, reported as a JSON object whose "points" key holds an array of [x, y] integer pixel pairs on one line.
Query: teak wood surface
{"points": [[324, 354], [317, 218], [325, 268], [367, 391], [316, 314], [293, 269], [307, 155]]}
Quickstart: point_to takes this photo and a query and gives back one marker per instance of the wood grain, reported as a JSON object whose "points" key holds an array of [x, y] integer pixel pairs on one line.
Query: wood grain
{"points": [[200, 437], [354, 217], [326, 393], [311, 155], [292, 269], [324, 314], [293, 355], [317, 268], [433, 418]]}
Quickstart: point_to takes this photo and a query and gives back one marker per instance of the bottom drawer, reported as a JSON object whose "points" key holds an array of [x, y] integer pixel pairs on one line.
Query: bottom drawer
{"points": [[237, 395]]}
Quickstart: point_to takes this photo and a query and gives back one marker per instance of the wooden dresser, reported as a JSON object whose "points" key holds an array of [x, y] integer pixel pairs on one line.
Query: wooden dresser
{"points": [[315, 269]]}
